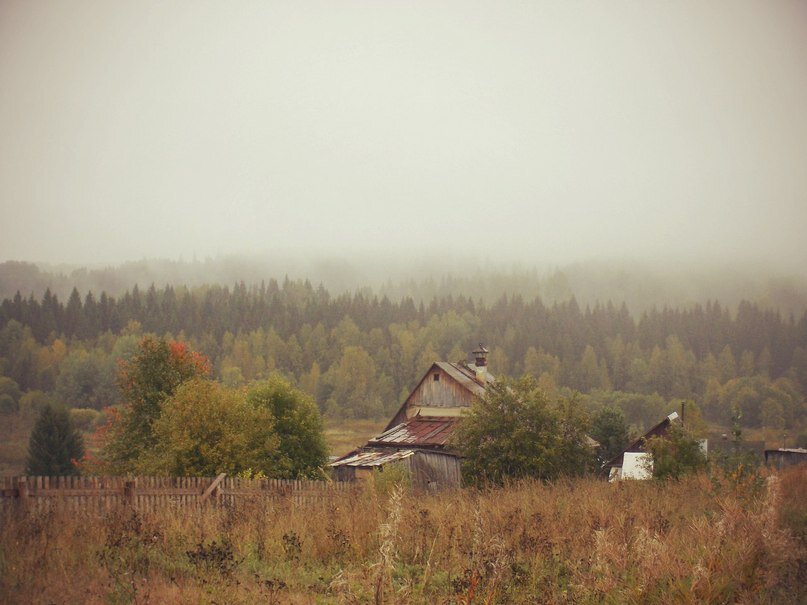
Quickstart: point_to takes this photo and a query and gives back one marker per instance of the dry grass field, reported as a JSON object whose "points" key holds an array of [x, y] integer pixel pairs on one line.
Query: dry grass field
{"points": [[701, 540], [345, 435]]}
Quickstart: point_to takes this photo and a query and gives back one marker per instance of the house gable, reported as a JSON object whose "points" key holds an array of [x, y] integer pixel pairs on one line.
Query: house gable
{"points": [[444, 390], [638, 446]]}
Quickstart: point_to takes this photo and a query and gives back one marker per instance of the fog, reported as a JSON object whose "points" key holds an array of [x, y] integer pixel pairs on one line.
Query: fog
{"points": [[528, 132]]}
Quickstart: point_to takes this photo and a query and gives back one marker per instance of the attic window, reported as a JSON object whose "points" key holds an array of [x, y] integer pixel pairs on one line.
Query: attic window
{"points": [[436, 377]]}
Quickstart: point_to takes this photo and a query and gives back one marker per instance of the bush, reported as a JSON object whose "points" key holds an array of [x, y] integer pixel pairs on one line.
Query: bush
{"points": [[676, 454], [84, 418], [515, 431]]}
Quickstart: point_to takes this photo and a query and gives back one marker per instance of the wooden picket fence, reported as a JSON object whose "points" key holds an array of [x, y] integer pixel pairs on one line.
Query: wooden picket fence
{"points": [[153, 493]]}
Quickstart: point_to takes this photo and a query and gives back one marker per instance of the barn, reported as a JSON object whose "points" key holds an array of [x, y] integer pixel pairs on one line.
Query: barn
{"points": [[417, 436]]}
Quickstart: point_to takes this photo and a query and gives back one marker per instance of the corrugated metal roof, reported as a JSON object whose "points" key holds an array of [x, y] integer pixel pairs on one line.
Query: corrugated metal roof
{"points": [[420, 431], [373, 458]]}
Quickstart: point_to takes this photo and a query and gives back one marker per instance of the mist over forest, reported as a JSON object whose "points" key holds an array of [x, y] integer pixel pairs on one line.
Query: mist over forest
{"points": [[640, 285], [731, 343]]}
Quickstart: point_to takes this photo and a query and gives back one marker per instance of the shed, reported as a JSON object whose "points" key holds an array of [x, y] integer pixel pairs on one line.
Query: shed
{"points": [[429, 470], [784, 457], [419, 444]]}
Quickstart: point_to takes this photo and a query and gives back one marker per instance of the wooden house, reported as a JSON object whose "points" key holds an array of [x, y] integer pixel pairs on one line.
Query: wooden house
{"points": [[417, 436], [635, 462]]}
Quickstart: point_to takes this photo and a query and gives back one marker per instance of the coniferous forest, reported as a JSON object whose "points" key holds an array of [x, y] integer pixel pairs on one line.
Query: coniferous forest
{"points": [[359, 353]]}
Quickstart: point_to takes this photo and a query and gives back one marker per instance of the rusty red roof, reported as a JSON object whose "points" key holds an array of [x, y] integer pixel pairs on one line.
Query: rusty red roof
{"points": [[431, 431]]}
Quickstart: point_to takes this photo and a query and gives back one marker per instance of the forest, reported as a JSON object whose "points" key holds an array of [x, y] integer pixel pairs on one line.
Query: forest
{"points": [[358, 354]]}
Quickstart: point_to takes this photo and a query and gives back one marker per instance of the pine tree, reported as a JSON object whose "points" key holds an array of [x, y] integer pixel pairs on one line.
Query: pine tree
{"points": [[55, 444]]}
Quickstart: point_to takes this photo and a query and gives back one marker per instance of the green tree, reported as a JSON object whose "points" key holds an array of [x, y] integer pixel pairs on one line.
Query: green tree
{"points": [[640, 410], [515, 431], [55, 444], [538, 362], [675, 454], [87, 380], [590, 374], [146, 380], [9, 395], [205, 428], [354, 386], [33, 402], [727, 364], [297, 424], [608, 427]]}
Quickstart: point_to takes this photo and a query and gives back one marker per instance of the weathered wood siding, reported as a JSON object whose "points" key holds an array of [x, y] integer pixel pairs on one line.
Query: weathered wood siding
{"points": [[151, 493], [428, 470], [434, 470], [442, 393]]}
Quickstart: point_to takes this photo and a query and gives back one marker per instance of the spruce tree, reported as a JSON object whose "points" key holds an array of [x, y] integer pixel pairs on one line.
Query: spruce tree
{"points": [[55, 444]]}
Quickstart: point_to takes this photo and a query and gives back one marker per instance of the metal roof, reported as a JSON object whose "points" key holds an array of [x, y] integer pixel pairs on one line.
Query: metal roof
{"points": [[373, 457], [466, 376], [427, 431]]}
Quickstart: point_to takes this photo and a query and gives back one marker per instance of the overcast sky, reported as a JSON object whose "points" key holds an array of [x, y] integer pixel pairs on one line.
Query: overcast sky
{"points": [[531, 130]]}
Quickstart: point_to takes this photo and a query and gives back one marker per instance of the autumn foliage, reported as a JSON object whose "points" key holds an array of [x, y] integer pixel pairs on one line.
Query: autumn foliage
{"points": [[146, 380]]}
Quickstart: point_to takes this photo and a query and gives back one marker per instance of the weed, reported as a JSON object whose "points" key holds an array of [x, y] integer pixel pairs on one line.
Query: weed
{"points": [[292, 546], [215, 557], [703, 539]]}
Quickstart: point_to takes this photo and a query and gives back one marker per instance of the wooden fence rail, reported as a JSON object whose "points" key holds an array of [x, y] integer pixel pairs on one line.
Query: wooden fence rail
{"points": [[152, 493]]}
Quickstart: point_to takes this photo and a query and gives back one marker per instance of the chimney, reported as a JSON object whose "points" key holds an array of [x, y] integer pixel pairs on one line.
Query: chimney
{"points": [[481, 363]]}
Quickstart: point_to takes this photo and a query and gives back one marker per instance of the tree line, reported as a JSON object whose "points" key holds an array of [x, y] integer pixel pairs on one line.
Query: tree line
{"points": [[358, 354]]}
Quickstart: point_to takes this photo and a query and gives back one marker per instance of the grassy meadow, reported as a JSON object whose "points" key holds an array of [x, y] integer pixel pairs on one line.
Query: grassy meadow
{"points": [[344, 436], [700, 540]]}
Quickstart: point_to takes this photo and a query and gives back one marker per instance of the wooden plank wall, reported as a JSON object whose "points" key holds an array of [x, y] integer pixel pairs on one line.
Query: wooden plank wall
{"points": [[435, 470], [442, 393], [152, 493]]}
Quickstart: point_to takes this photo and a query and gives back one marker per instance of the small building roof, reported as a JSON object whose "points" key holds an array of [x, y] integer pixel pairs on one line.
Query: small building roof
{"points": [[420, 431], [366, 457], [465, 375], [638, 444]]}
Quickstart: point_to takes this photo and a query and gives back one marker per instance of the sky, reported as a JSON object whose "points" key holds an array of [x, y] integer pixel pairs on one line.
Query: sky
{"points": [[534, 131]]}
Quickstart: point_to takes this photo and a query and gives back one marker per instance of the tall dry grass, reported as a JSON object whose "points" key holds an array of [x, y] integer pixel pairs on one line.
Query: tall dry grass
{"points": [[701, 540]]}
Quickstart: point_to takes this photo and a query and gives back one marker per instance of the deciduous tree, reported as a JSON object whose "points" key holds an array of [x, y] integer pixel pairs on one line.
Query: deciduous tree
{"points": [[205, 428], [297, 424], [146, 380], [515, 431]]}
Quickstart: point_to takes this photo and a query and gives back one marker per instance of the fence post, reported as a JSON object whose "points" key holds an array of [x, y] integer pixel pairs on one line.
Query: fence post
{"points": [[128, 493], [22, 495], [213, 489]]}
